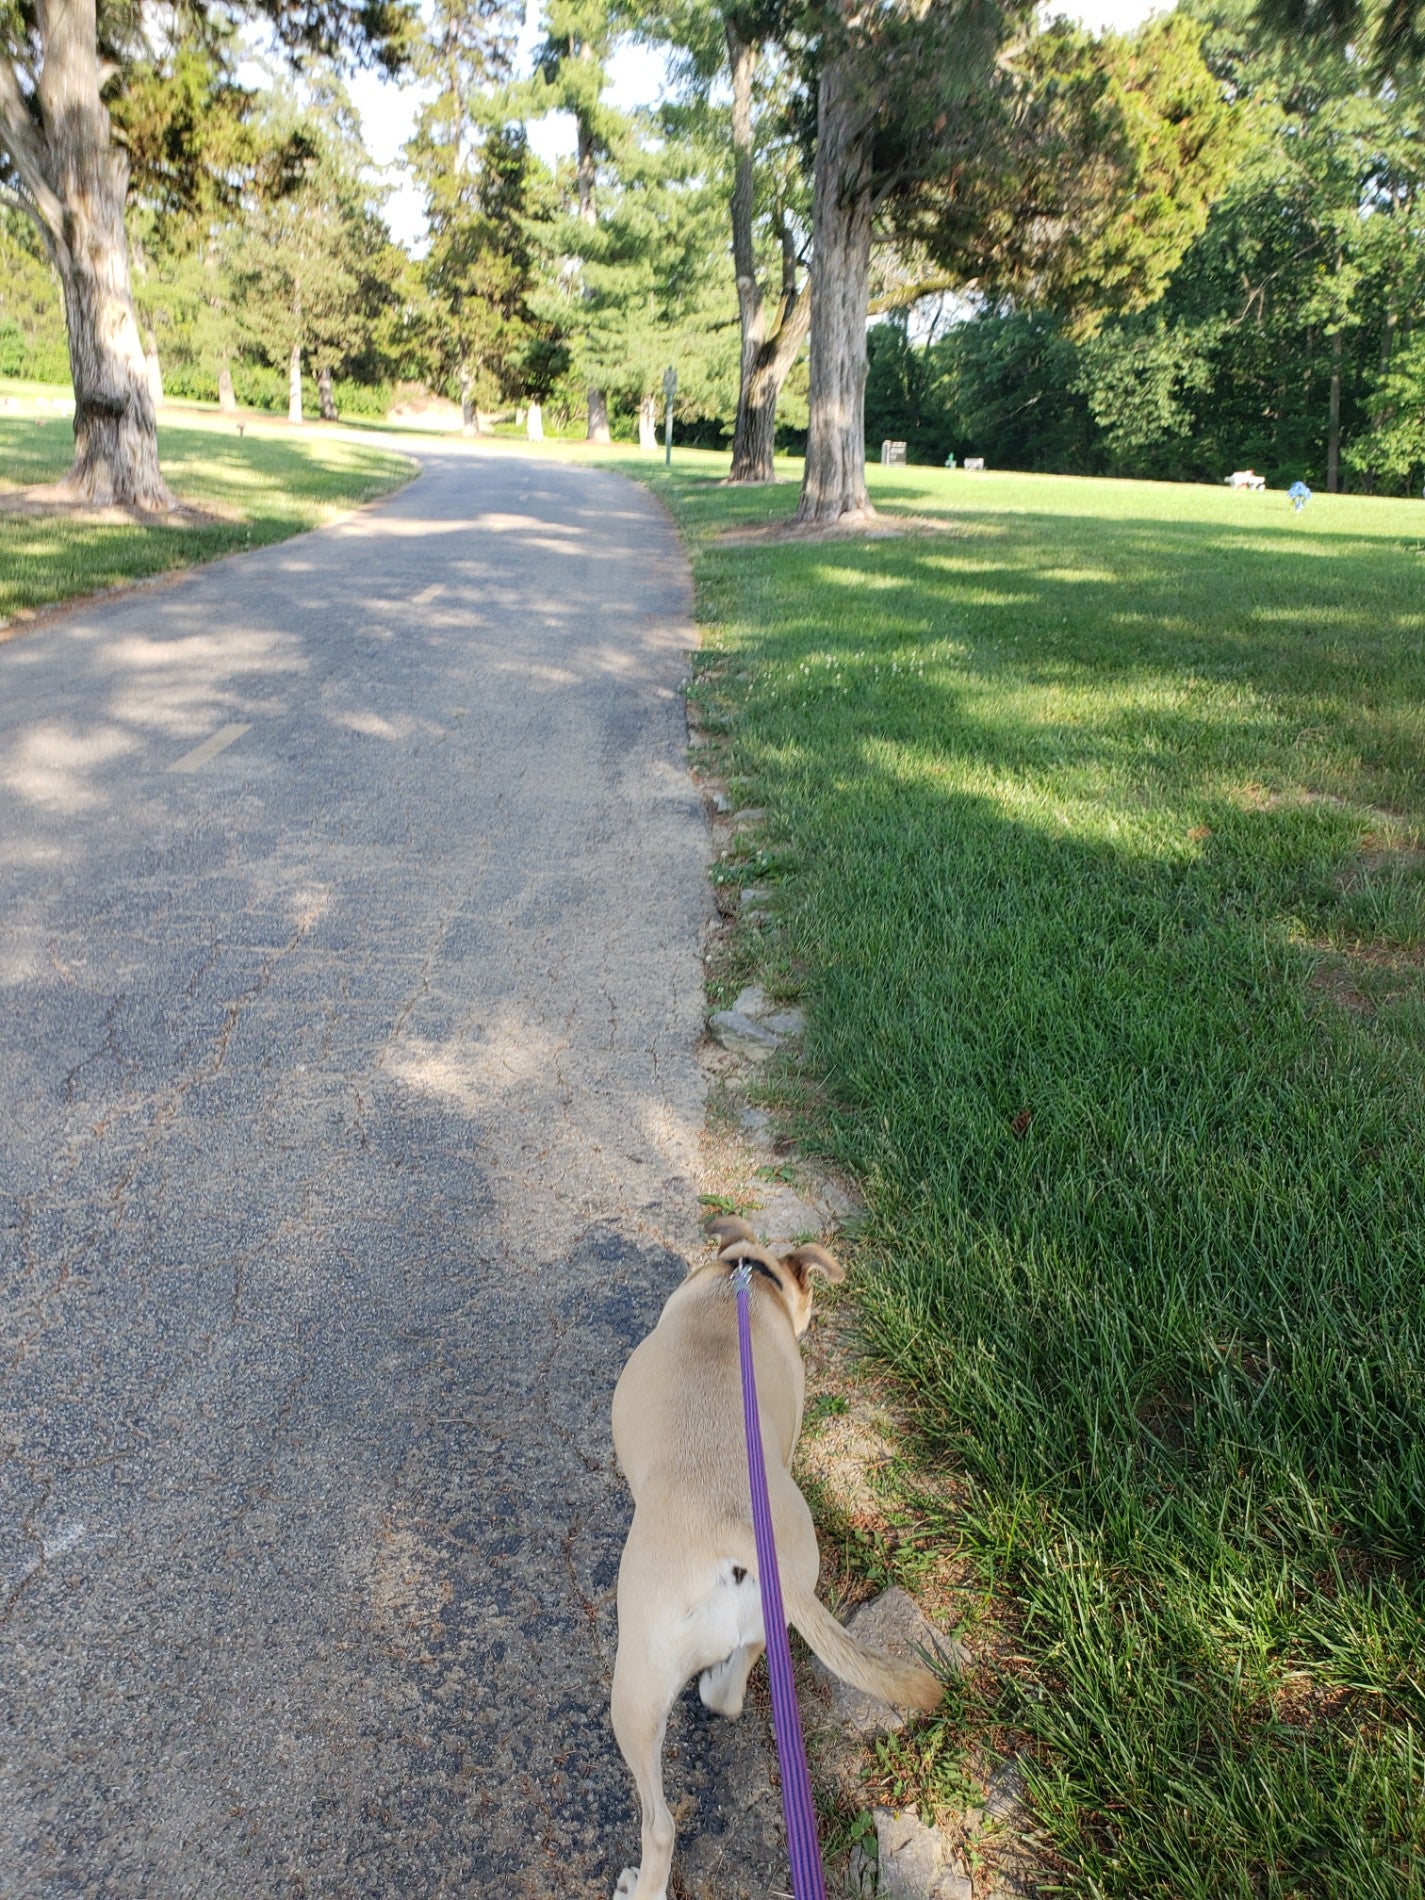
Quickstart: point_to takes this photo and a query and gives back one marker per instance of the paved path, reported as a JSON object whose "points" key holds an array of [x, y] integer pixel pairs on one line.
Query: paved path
{"points": [[349, 988]]}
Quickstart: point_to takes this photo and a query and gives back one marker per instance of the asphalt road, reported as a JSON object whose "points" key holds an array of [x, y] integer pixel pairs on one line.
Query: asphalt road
{"points": [[349, 989]]}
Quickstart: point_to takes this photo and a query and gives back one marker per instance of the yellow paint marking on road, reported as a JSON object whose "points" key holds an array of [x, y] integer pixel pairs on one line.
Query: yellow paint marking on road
{"points": [[215, 743], [427, 595]]}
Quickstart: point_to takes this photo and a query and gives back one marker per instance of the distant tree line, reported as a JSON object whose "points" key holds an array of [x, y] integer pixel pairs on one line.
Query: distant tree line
{"points": [[1285, 340], [1192, 247]]}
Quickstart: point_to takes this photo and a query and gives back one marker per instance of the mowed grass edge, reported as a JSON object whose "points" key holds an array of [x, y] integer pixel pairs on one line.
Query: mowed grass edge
{"points": [[1097, 823], [260, 488]]}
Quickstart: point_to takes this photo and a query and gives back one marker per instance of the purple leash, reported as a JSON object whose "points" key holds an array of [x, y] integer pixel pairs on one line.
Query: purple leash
{"points": [[797, 1809]]}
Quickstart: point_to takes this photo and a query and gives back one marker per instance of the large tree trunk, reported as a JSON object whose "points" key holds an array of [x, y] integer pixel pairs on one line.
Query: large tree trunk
{"points": [[755, 440], [326, 402], [468, 423], [742, 62], [294, 384], [648, 424], [1333, 432], [73, 180], [834, 479], [598, 430], [767, 359], [534, 422], [227, 401]]}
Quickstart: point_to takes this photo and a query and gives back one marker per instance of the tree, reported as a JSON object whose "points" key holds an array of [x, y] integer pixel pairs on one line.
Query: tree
{"points": [[909, 390], [1084, 174], [657, 280], [478, 176], [63, 168], [890, 80], [311, 260], [1393, 31], [773, 330], [481, 271], [1395, 446], [182, 121], [745, 43], [571, 74], [32, 341], [1069, 171]]}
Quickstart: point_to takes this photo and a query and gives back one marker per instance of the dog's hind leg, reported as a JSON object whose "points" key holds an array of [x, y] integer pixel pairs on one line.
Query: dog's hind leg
{"points": [[723, 1687], [640, 1717]]}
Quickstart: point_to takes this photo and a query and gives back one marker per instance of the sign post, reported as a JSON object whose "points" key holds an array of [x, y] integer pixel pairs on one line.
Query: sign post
{"points": [[670, 390]]}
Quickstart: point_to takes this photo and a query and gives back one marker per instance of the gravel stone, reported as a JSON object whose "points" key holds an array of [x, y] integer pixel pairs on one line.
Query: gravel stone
{"points": [[894, 1623], [741, 1035], [915, 1861]]}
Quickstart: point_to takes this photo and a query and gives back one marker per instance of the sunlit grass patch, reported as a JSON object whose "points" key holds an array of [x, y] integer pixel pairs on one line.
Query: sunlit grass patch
{"points": [[1104, 834], [256, 489]]}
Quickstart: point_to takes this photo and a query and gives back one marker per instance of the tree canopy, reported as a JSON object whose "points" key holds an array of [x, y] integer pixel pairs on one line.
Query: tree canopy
{"points": [[1194, 244]]}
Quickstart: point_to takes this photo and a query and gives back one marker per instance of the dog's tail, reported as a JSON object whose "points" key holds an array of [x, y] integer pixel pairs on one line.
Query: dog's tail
{"points": [[907, 1685]]}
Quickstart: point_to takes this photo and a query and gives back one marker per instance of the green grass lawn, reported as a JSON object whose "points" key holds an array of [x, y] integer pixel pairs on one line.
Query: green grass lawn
{"points": [[265, 486], [1098, 820]]}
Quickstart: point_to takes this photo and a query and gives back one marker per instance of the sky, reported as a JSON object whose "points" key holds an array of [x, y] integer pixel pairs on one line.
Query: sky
{"points": [[637, 76]]}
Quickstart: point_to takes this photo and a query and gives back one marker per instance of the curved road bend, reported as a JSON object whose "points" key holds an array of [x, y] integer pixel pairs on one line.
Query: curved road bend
{"points": [[349, 988]]}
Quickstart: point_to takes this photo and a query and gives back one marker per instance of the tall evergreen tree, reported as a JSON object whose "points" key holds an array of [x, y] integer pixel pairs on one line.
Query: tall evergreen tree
{"points": [[891, 80], [745, 44], [310, 256], [571, 75], [478, 176], [658, 280]]}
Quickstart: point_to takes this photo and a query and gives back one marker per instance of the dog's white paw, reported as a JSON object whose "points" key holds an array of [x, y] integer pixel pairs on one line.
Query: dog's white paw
{"points": [[720, 1692], [627, 1881]]}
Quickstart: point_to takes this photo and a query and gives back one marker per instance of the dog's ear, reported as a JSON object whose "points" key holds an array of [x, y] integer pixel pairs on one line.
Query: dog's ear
{"points": [[808, 1260], [723, 1232]]}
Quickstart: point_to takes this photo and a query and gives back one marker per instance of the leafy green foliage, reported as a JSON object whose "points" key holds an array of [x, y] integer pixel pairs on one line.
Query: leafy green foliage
{"points": [[309, 264], [32, 339], [1085, 171], [658, 281], [1394, 448]]}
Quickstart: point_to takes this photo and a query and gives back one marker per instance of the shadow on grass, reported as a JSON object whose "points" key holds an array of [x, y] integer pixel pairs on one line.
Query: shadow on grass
{"points": [[1073, 808], [271, 488]]}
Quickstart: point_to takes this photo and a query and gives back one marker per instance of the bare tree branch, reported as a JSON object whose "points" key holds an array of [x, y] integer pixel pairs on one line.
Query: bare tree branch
{"points": [[25, 148]]}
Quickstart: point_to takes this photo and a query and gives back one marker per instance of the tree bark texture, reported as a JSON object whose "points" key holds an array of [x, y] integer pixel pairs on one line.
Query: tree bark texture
{"points": [[598, 416], [73, 181], [227, 401], [326, 401], [534, 422], [294, 384], [834, 477], [648, 424], [767, 359], [1333, 433]]}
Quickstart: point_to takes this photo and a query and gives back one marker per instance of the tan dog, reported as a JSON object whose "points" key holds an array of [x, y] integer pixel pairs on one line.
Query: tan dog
{"points": [[688, 1600]]}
